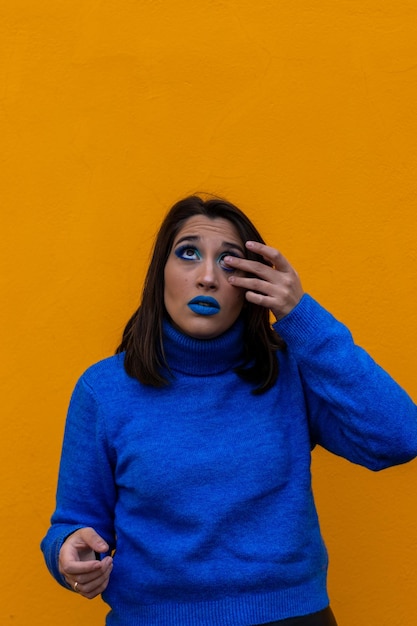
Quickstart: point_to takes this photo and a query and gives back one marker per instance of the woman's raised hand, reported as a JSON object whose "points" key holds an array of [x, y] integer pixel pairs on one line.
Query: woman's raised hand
{"points": [[79, 566], [277, 288]]}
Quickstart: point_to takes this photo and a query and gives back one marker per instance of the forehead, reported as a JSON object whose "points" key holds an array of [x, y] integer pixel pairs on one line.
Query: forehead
{"points": [[206, 228]]}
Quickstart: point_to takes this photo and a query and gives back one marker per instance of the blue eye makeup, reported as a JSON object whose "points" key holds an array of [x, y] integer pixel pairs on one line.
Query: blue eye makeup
{"points": [[222, 263], [188, 253]]}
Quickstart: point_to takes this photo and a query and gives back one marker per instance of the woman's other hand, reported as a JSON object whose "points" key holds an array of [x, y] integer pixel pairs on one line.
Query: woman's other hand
{"points": [[277, 288], [79, 566]]}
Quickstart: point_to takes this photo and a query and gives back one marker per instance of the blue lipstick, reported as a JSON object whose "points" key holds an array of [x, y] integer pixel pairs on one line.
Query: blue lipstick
{"points": [[204, 305]]}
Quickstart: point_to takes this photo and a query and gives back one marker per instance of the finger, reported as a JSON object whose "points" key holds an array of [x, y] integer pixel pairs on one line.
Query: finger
{"points": [[85, 570], [257, 285], [82, 545], [91, 590], [278, 291], [81, 568], [91, 583], [90, 538], [270, 254], [247, 267]]}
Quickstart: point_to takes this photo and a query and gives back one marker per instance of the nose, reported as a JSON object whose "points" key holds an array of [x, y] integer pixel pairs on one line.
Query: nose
{"points": [[207, 277]]}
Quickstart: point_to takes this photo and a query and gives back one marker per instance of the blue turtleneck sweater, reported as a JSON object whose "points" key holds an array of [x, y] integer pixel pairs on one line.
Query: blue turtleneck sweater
{"points": [[204, 489]]}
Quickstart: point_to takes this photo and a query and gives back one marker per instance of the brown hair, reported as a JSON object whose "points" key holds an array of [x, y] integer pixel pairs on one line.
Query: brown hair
{"points": [[142, 339]]}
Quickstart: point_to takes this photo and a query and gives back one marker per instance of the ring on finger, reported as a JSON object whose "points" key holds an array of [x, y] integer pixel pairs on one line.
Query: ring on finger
{"points": [[76, 587]]}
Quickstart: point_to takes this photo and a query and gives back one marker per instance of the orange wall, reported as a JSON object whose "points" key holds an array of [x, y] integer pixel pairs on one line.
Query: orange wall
{"points": [[304, 114]]}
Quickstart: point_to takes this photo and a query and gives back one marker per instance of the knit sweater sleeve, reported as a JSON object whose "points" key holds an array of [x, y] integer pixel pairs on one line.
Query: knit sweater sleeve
{"points": [[356, 410], [85, 492]]}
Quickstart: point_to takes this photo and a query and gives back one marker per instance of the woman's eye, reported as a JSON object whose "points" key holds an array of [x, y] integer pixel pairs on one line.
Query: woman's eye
{"points": [[187, 252], [223, 264]]}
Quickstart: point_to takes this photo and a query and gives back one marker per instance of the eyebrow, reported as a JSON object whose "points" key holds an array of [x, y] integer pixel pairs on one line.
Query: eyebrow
{"points": [[224, 244]]}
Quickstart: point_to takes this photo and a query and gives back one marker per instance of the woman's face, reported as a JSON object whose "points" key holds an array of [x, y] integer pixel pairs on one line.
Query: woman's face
{"points": [[198, 296]]}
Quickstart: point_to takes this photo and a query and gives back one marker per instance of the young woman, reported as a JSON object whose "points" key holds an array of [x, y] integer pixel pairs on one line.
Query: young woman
{"points": [[184, 493]]}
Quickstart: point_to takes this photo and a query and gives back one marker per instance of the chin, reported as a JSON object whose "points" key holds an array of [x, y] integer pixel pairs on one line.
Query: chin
{"points": [[203, 334], [203, 331]]}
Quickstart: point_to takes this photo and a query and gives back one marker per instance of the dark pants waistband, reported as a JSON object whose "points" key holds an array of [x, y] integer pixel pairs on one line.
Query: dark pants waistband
{"points": [[322, 618]]}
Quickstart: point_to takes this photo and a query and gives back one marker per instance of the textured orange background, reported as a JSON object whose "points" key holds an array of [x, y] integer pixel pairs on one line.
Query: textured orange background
{"points": [[304, 114]]}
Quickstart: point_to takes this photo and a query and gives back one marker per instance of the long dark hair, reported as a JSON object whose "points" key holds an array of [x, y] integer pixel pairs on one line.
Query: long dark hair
{"points": [[142, 339]]}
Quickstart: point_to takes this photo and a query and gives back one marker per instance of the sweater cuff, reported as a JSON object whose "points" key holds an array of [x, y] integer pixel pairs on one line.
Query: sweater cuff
{"points": [[51, 548], [304, 323]]}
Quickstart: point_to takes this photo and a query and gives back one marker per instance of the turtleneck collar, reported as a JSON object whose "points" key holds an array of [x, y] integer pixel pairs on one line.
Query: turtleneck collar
{"points": [[202, 357]]}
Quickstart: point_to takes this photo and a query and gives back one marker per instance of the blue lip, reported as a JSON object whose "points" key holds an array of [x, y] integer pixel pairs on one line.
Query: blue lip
{"points": [[204, 305]]}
